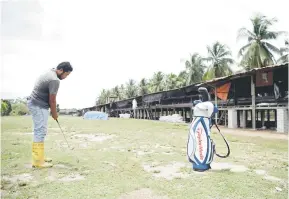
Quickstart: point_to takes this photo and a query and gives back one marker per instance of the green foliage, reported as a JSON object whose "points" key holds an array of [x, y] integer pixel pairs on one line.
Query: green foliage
{"points": [[284, 53], [259, 52], [19, 108], [5, 108], [219, 59], [194, 69]]}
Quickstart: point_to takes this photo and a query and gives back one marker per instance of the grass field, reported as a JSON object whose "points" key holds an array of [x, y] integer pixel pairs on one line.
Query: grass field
{"points": [[130, 159]]}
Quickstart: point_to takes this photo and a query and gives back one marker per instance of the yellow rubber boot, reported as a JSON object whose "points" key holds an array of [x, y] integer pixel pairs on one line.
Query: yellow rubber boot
{"points": [[38, 156], [47, 159]]}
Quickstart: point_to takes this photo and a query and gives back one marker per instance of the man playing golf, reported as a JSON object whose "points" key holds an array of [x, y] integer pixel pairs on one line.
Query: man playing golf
{"points": [[42, 98]]}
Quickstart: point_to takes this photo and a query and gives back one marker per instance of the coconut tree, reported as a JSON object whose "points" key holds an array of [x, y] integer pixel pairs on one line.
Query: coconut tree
{"points": [[284, 53], [122, 91], [182, 78], [143, 87], [171, 81], [116, 92], [104, 94], [195, 69], [156, 84], [131, 89], [258, 52], [219, 59]]}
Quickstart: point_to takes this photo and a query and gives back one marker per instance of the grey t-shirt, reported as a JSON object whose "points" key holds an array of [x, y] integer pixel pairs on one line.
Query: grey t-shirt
{"points": [[47, 83]]}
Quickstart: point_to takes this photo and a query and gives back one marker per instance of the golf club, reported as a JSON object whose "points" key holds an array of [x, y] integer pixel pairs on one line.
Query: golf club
{"points": [[66, 139]]}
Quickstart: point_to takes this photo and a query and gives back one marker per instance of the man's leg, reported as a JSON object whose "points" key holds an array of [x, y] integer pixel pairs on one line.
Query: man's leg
{"points": [[40, 118]]}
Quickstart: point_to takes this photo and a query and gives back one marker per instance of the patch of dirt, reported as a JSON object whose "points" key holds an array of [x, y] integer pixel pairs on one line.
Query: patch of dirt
{"points": [[272, 178], [142, 194], [3, 193], [51, 178], [62, 166], [260, 172], [8, 182], [267, 134], [228, 166], [93, 137], [25, 177], [163, 146], [72, 177], [83, 145], [28, 166], [267, 177], [168, 172]]}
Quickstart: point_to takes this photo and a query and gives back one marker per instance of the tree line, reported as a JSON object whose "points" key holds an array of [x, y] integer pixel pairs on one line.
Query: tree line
{"points": [[16, 107], [256, 53]]}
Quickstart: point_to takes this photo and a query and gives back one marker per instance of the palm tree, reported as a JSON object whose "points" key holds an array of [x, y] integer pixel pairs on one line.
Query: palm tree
{"points": [[182, 78], [104, 94], [195, 69], [156, 84], [116, 92], [122, 91], [171, 81], [143, 87], [258, 52], [219, 58], [284, 53], [131, 89]]}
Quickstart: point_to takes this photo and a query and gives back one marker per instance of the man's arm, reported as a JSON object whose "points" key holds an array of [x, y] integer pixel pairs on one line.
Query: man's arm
{"points": [[53, 89]]}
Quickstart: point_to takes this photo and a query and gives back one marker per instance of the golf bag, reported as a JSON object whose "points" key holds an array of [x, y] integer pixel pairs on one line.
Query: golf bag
{"points": [[200, 146]]}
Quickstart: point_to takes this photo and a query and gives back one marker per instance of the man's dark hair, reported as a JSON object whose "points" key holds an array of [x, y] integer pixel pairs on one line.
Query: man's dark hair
{"points": [[65, 66]]}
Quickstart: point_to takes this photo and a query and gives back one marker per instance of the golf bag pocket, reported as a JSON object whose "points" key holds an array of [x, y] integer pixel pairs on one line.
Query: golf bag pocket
{"points": [[200, 147]]}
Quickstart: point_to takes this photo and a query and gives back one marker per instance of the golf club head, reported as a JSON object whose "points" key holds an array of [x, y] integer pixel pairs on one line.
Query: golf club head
{"points": [[205, 96]]}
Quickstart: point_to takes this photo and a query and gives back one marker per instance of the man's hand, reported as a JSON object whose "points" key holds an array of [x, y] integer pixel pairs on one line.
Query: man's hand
{"points": [[54, 115]]}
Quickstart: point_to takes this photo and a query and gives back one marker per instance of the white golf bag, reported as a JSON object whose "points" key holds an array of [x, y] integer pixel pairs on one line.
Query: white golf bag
{"points": [[200, 146]]}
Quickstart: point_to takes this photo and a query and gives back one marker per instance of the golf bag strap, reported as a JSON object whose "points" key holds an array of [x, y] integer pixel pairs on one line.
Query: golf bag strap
{"points": [[228, 147]]}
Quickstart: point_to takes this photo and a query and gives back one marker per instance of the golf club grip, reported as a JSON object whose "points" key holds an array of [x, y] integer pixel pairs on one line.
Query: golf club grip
{"points": [[204, 94]]}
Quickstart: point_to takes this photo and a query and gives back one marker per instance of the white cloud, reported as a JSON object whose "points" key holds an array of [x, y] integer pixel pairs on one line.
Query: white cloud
{"points": [[109, 42]]}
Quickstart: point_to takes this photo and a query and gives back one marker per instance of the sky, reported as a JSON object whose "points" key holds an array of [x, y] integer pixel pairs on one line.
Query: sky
{"points": [[109, 42]]}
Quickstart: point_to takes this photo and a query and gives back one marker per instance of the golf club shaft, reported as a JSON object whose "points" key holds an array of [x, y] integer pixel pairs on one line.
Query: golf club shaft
{"points": [[62, 133], [77, 160]]}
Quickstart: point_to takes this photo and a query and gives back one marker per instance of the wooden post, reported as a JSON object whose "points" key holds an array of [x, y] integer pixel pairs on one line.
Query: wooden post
{"points": [[225, 118], [253, 103], [262, 118], [244, 118], [275, 117], [183, 114], [216, 104]]}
